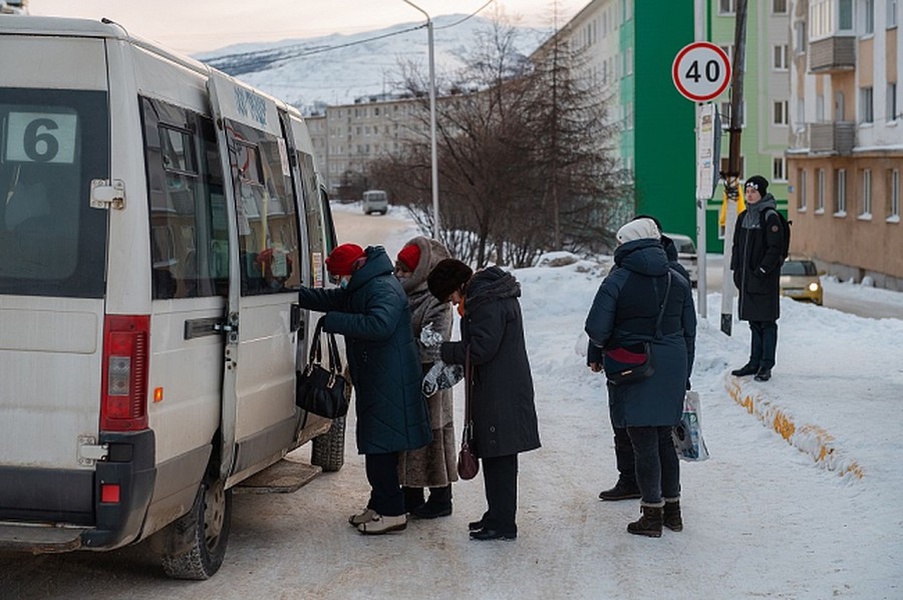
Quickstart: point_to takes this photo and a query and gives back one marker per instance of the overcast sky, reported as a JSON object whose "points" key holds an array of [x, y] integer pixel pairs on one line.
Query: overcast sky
{"points": [[199, 25]]}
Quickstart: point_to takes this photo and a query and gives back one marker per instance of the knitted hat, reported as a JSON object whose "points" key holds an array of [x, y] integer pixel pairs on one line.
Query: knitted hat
{"points": [[638, 230], [410, 256], [447, 277], [758, 182], [341, 260]]}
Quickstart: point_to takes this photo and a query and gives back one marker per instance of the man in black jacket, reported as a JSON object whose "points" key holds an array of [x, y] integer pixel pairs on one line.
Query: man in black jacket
{"points": [[756, 261]]}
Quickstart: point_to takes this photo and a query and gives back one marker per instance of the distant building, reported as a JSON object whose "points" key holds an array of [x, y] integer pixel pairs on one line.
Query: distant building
{"points": [[846, 141], [348, 137]]}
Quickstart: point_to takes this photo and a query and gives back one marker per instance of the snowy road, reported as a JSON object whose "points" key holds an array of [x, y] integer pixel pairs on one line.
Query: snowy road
{"points": [[762, 518]]}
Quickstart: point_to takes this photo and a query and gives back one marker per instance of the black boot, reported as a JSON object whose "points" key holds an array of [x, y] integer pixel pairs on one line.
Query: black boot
{"points": [[671, 516], [438, 505], [413, 498], [621, 491], [650, 524], [763, 374], [747, 369]]}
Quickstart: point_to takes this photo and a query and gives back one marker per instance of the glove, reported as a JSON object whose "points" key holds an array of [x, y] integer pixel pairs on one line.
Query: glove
{"points": [[433, 354], [688, 385]]}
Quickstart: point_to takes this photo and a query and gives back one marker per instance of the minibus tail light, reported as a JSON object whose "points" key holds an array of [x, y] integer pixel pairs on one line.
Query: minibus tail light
{"points": [[123, 404]]}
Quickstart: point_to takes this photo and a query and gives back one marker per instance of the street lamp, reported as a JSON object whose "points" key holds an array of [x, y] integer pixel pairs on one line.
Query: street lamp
{"points": [[434, 156]]}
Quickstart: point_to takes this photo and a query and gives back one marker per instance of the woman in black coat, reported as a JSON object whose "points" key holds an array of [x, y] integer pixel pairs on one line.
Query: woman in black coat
{"points": [[502, 408], [371, 311], [623, 316]]}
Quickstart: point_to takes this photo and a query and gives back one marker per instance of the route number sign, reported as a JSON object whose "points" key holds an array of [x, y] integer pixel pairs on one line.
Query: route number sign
{"points": [[701, 71]]}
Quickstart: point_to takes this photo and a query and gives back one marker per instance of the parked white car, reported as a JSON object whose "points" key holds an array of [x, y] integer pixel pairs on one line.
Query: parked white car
{"points": [[686, 255]]}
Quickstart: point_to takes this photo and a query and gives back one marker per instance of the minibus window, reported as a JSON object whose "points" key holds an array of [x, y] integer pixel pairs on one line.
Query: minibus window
{"points": [[189, 231], [52, 144], [267, 224]]}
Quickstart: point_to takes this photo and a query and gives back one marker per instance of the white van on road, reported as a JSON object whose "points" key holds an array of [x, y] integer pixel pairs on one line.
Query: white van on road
{"points": [[375, 201], [157, 218]]}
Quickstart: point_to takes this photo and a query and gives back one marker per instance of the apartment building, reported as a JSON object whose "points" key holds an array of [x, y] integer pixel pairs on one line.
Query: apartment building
{"points": [[846, 140], [627, 48], [348, 137]]}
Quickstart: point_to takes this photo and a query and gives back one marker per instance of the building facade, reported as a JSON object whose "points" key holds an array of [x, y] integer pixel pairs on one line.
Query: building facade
{"points": [[845, 154]]}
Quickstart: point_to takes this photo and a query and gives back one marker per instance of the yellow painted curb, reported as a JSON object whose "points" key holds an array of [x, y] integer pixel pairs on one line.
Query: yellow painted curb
{"points": [[809, 439]]}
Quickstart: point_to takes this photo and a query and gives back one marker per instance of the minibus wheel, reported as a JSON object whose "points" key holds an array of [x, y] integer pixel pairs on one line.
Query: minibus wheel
{"points": [[328, 450], [195, 544]]}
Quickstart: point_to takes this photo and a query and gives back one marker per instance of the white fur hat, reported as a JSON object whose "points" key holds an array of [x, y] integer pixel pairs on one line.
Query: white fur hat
{"points": [[638, 230]]}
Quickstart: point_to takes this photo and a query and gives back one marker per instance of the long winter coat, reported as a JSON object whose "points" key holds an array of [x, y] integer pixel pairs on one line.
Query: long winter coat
{"points": [[374, 316], [756, 259], [436, 464], [624, 312], [502, 408]]}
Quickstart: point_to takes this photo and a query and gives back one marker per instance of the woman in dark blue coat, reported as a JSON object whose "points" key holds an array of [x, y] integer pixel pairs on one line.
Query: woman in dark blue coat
{"points": [[623, 316], [502, 407], [371, 311]]}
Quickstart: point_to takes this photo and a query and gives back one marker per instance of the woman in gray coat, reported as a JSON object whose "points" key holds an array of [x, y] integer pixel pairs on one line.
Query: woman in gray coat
{"points": [[435, 465], [502, 408], [624, 316]]}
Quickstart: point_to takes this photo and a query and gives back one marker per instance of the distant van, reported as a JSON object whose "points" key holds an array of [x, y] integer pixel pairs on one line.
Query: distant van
{"points": [[157, 218], [375, 201]]}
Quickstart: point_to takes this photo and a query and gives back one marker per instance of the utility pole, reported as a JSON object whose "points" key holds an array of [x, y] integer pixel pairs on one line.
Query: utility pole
{"points": [[732, 176]]}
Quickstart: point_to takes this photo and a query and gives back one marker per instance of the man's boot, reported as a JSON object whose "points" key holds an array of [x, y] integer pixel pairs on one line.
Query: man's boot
{"points": [[621, 491], [438, 505], [671, 515], [650, 524], [747, 369]]}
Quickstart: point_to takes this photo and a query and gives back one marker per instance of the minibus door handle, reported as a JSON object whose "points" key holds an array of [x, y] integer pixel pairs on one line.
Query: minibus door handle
{"points": [[296, 322]]}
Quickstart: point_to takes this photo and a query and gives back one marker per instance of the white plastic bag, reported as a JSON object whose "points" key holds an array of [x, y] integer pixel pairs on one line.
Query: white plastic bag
{"points": [[688, 433]]}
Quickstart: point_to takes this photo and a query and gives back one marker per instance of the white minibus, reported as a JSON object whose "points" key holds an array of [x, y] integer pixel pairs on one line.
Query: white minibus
{"points": [[157, 218]]}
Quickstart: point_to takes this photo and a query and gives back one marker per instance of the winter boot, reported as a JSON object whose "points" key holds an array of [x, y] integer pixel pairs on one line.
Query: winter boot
{"points": [[650, 524], [747, 369], [363, 517], [621, 491], [413, 498], [380, 524], [439, 504], [671, 516]]}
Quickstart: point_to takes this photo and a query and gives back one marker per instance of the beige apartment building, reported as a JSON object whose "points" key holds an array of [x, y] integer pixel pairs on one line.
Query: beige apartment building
{"points": [[845, 154], [348, 137]]}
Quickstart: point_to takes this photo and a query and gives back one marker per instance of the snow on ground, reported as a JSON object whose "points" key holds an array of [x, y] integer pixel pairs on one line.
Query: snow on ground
{"points": [[799, 500]]}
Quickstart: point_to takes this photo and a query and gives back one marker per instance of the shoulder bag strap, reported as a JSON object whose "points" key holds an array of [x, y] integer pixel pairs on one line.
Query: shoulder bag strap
{"points": [[316, 354], [661, 309], [467, 434]]}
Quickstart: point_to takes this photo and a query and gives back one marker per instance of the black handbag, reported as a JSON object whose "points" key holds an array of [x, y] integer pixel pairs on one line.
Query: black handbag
{"points": [[634, 363], [322, 390]]}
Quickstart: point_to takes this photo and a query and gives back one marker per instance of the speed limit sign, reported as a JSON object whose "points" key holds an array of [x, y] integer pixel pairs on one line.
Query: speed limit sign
{"points": [[701, 71]]}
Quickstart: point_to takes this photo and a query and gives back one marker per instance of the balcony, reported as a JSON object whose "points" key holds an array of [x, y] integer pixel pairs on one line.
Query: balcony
{"points": [[833, 54], [832, 138]]}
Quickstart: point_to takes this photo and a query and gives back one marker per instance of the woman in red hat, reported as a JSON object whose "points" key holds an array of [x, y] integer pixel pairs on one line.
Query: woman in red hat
{"points": [[434, 466], [370, 309]]}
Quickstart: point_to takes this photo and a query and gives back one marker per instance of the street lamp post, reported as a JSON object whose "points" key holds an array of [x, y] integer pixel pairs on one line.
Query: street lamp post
{"points": [[434, 155]]}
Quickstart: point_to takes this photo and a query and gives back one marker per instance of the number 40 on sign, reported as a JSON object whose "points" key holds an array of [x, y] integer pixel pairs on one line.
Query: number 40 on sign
{"points": [[701, 71]]}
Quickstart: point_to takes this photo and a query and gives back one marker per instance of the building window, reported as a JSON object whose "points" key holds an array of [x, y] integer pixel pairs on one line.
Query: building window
{"points": [[893, 210], [845, 15], [780, 112], [840, 193], [799, 44], [628, 58], [820, 191], [891, 101], [865, 208], [801, 194], [891, 13], [779, 7], [777, 171], [866, 108], [780, 57], [868, 16], [726, 7], [725, 111]]}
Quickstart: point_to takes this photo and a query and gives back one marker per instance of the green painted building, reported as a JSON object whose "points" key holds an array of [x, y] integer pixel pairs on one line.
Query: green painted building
{"points": [[630, 47]]}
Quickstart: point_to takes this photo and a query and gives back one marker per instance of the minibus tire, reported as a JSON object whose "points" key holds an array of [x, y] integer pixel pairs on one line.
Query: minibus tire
{"points": [[328, 450], [196, 542]]}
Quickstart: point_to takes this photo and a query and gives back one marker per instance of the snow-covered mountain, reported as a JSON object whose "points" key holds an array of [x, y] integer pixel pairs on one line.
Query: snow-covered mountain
{"points": [[337, 69]]}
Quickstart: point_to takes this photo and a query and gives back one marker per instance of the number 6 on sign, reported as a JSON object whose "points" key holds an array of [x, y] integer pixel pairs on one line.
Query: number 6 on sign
{"points": [[701, 71]]}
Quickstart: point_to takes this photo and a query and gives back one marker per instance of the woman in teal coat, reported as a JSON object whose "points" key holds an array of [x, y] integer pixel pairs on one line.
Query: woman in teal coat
{"points": [[370, 309]]}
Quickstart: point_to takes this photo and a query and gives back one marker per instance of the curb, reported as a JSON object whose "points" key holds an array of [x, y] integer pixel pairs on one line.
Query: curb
{"points": [[808, 439]]}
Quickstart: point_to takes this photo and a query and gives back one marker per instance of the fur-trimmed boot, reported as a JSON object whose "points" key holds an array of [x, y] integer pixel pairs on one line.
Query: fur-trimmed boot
{"points": [[650, 524], [671, 515]]}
